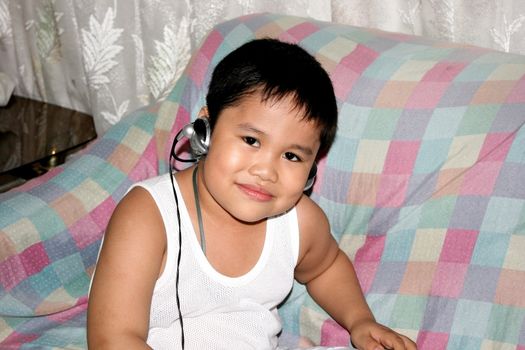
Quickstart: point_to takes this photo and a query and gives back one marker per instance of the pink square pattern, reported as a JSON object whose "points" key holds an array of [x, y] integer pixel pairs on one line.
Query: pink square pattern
{"points": [[480, 178], [518, 93], [427, 94], [432, 340], [359, 59], [444, 71], [34, 258], [343, 80], [145, 166], [333, 334], [392, 190], [366, 272], [12, 272], [401, 157], [496, 147], [372, 249], [458, 246], [301, 31], [448, 279], [103, 211], [82, 232]]}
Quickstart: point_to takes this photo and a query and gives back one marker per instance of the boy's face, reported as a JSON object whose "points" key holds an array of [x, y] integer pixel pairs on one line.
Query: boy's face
{"points": [[259, 158]]}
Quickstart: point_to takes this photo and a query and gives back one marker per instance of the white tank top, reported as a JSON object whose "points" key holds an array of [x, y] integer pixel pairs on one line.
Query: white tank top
{"points": [[219, 312]]}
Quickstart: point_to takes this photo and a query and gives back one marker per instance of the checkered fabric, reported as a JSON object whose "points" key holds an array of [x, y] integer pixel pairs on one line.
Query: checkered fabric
{"points": [[424, 189]]}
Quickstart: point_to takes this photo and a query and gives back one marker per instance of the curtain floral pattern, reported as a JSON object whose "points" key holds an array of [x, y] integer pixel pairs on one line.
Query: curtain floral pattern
{"points": [[109, 57]]}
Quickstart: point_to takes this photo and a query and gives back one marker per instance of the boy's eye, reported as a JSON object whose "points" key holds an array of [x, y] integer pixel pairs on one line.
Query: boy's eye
{"points": [[250, 140], [292, 156]]}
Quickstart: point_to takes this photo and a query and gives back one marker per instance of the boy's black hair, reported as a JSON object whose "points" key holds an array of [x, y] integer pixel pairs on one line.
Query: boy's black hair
{"points": [[277, 70]]}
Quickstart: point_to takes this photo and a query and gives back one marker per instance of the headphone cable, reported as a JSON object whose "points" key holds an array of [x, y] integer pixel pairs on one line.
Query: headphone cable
{"points": [[180, 250]]}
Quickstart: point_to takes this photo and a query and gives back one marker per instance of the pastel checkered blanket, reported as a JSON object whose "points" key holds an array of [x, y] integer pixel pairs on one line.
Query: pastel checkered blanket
{"points": [[424, 189]]}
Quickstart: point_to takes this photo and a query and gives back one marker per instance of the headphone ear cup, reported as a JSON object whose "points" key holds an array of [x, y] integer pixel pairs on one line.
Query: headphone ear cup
{"points": [[311, 177], [200, 139]]}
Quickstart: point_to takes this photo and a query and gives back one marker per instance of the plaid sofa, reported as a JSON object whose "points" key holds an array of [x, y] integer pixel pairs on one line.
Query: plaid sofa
{"points": [[424, 189]]}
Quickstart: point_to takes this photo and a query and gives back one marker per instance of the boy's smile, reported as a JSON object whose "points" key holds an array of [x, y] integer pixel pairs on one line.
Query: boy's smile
{"points": [[259, 159]]}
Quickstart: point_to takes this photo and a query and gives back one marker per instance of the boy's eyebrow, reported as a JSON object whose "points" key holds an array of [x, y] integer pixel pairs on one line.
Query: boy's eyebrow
{"points": [[249, 127]]}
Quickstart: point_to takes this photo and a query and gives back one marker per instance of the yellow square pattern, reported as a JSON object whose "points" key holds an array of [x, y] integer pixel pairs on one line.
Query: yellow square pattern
{"points": [[166, 112], [464, 151], [427, 244], [338, 48], [514, 260], [507, 72], [491, 345], [412, 70], [90, 194], [136, 139], [23, 234], [371, 155], [350, 244]]}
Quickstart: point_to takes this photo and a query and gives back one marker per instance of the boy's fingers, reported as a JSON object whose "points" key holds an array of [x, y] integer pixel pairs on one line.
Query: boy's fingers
{"points": [[392, 341], [409, 344]]}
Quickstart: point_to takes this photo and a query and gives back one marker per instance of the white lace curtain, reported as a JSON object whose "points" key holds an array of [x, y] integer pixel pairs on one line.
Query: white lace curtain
{"points": [[109, 57]]}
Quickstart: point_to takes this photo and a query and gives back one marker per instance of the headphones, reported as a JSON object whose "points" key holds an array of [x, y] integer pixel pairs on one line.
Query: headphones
{"points": [[198, 133]]}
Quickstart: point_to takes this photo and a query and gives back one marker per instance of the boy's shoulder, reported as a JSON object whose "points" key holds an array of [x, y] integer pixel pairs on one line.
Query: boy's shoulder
{"points": [[310, 215]]}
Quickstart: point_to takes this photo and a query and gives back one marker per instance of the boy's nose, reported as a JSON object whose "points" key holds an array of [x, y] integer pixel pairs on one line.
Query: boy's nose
{"points": [[265, 170]]}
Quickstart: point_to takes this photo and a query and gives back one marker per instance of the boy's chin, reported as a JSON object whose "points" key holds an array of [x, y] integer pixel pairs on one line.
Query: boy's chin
{"points": [[254, 218]]}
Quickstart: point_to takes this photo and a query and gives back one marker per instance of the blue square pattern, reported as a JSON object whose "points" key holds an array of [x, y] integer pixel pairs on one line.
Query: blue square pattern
{"points": [[47, 191], [421, 188], [48, 222], [439, 314], [335, 184], [344, 153], [502, 214], [45, 282], [476, 71], [459, 94], [469, 212], [412, 124], [388, 277], [382, 306], [24, 203], [510, 181], [480, 283], [68, 268], [408, 218], [315, 41], [353, 120], [431, 156], [471, 318], [60, 246], [365, 91], [516, 153], [490, 249], [339, 215], [444, 123], [462, 342], [398, 246]]}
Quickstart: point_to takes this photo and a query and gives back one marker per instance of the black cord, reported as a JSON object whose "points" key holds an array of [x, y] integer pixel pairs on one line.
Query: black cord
{"points": [[180, 249]]}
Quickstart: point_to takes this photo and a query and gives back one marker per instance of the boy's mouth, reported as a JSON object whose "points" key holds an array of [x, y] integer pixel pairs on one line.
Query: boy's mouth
{"points": [[255, 192]]}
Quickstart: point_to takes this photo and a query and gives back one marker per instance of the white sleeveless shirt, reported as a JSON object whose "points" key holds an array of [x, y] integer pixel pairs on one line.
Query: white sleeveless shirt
{"points": [[219, 312]]}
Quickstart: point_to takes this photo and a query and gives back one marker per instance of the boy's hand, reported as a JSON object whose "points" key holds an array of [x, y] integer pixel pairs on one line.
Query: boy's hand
{"points": [[370, 335]]}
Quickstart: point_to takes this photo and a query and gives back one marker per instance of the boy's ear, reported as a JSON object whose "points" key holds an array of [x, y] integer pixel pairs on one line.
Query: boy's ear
{"points": [[203, 113]]}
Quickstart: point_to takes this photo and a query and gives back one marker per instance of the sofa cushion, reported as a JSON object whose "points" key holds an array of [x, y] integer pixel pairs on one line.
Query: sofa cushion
{"points": [[423, 189]]}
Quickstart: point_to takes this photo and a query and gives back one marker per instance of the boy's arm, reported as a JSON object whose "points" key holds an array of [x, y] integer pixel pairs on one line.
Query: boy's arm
{"points": [[331, 281], [128, 266]]}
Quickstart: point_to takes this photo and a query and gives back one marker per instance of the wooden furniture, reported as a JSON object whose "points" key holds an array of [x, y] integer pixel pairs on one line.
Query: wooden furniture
{"points": [[36, 136]]}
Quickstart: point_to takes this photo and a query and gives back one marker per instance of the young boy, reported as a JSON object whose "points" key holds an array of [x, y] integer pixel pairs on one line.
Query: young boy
{"points": [[246, 229]]}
